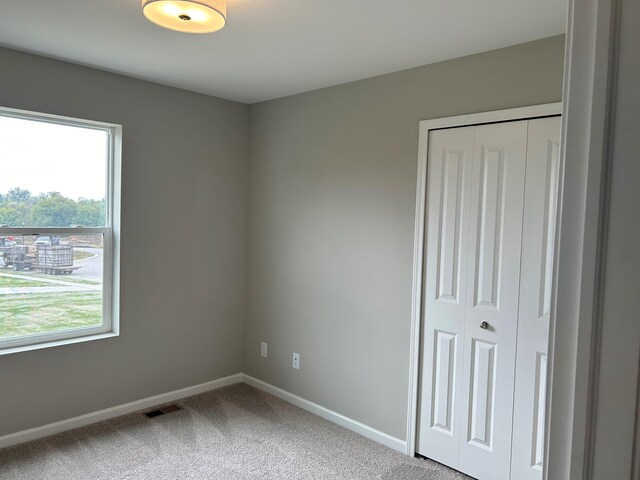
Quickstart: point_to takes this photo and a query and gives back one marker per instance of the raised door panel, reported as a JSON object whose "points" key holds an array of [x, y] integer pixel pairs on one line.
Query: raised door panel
{"points": [[448, 188], [543, 151], [493, 274], [482, 401], [444, 357]]}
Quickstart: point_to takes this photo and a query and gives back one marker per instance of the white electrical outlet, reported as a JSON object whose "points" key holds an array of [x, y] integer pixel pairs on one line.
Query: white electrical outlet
{"points": [[296, 361], [263, 349]]}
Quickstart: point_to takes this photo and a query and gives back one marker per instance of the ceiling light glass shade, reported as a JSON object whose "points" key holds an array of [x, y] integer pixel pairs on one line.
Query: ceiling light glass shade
{"points": [[190, 16]]}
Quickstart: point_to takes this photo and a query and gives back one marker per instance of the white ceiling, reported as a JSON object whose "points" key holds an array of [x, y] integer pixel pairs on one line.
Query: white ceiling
{"points": [[272, 48]]}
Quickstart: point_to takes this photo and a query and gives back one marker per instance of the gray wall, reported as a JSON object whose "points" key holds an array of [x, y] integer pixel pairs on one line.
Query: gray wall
{"points": [[616, 445], [330, 185], [184, 193], [331, 209]]}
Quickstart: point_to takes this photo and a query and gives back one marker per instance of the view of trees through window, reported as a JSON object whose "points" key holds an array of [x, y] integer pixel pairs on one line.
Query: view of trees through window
{"points": [[19, 208]]}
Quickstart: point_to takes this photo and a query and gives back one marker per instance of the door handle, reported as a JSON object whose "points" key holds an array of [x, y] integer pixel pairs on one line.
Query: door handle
{"points": [[484, 325]]}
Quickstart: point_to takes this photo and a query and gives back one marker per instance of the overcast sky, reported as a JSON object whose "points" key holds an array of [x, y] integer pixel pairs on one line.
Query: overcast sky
{"points": [[45, 157]]}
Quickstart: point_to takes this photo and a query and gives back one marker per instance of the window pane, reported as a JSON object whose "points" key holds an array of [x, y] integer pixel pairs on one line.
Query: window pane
{"points": [[52, 175], [50, 283]]}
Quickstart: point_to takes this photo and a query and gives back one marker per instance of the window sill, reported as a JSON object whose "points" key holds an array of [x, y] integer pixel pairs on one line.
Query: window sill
{"points": [[57, 343]]}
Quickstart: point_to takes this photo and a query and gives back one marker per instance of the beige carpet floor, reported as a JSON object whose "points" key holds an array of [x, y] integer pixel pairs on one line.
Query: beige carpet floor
{"points": [[232, 433]]}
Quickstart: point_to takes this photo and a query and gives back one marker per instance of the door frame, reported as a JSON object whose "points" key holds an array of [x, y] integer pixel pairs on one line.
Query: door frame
{"points": [[513, 114], [592, 68]]}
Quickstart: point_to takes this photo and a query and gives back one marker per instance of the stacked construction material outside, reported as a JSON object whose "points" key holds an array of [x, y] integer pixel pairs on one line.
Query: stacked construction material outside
{"points": [[51, 259], [55, 259]]}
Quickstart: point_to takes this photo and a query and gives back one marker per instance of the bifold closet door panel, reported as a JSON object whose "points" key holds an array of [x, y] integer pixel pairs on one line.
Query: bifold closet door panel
{"points": [[543, 153], [448, 208], [491, 319]]}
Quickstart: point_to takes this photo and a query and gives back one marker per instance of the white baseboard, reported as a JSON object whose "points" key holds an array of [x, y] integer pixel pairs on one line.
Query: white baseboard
{"points": [[142, 404], [335, 417], [107, 413]]}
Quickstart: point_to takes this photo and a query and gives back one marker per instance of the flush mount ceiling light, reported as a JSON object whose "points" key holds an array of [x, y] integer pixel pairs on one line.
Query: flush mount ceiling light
{"points": [[190, 16]]}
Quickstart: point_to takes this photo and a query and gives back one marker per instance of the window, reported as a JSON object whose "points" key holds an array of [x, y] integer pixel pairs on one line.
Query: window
{"points": [[59, 230]]}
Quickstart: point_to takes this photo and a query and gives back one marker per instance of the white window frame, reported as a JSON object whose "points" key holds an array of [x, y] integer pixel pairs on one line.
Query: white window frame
{"points": [[111, 242]]}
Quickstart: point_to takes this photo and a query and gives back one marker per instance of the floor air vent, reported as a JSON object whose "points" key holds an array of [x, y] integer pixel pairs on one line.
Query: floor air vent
{"points": [[156, 412]]}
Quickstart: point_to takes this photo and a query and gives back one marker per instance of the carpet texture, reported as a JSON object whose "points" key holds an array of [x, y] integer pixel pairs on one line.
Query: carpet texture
{"points": [[234, 433]]}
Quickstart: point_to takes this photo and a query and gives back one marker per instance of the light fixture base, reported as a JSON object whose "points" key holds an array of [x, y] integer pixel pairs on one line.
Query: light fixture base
{"points": [[188, 16]]}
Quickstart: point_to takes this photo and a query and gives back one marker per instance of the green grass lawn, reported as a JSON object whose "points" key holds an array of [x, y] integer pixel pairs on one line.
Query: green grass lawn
{"points": [[31, 313], [34, 276], [19, 282]]}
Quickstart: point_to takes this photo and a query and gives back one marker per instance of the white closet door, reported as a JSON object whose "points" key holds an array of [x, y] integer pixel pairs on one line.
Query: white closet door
{"points": [[493, 277], [535, 297], [445, 296]]}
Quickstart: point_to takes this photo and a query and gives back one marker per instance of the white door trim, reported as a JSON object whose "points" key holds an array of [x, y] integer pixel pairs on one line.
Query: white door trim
{"points": [[591, 66], [534, 111]]}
